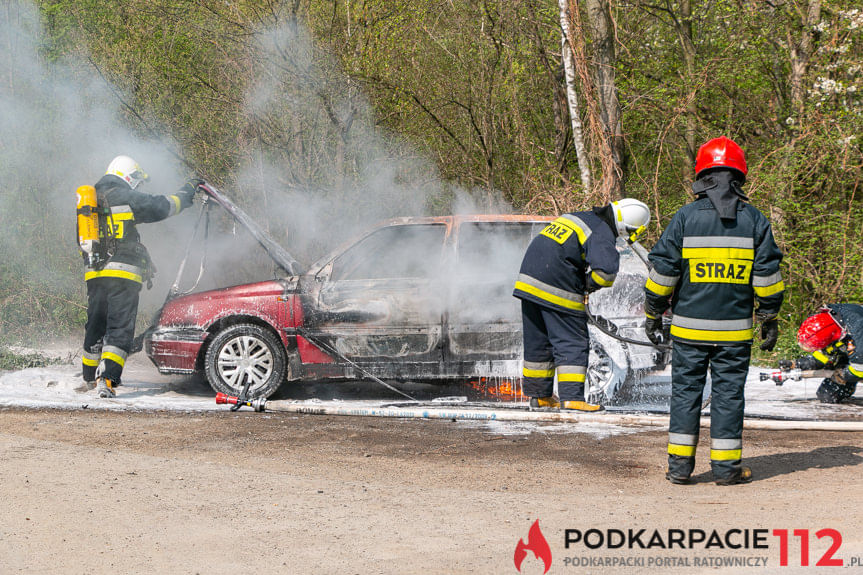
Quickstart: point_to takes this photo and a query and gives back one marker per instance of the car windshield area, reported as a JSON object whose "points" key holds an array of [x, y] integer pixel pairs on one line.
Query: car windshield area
{"points": [[407, 251]]}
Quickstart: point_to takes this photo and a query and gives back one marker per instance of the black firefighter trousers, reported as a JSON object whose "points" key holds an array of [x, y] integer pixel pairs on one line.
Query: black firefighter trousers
{"points": [[112, 306], [729, 366], [554, 342]]}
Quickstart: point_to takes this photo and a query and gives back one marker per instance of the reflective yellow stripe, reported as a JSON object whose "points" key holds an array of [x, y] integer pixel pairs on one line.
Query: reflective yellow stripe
{"points": [[856, 372], [113, 357], [725, 454], [601, 280], [582, 237], [718, 253], [769, 290], [538, 372], [177, 205], [681, 450], [820, 357], [707, 335], [633, 237], [89, 362], [544, 295], [654, 287], [113, 274], [649, 316], [577, 377]]}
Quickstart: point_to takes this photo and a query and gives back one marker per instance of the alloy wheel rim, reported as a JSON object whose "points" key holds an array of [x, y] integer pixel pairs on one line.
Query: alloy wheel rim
{"points": [[245, 358]]}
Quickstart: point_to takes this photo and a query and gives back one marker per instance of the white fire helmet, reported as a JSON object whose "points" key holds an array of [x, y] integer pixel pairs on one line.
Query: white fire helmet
{"points": [[630, 215], [128, 170]]}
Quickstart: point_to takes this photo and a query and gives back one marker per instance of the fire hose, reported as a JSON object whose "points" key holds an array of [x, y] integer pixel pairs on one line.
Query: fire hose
{"points": [[606, 326], [428, 412]]}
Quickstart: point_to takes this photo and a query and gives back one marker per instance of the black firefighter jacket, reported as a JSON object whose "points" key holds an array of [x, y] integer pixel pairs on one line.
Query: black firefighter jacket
{"points": [[713, 269], [573, 255], [129, 207]]}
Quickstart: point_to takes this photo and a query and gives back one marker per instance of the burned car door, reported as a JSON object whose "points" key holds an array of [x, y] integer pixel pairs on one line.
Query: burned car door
{"points": [[377, 302], [484, 327]]}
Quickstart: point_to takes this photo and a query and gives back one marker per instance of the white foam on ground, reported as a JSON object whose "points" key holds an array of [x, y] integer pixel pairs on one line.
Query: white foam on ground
{"points": [[145, 389], [596, 430]]}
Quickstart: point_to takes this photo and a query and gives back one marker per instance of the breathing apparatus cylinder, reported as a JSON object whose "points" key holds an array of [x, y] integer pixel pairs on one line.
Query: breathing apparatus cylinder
{"points": [[88, 223]]}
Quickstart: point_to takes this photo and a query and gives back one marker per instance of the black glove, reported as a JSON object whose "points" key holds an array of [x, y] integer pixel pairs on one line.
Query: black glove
{"points": [[785, 364], [653, 327], [192, 185], [808, 362], [186, 197], [769, 334], [188, 191]]}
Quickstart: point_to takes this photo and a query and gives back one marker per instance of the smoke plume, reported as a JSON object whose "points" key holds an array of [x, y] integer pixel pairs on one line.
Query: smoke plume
{"points": [[319, 171]]}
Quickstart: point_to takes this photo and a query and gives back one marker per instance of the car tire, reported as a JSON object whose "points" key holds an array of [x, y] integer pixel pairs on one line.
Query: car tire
{"points": [[245, 350]]}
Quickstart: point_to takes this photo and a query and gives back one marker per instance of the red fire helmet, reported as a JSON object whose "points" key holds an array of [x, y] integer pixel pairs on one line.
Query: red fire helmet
{"points": [[720, 152], [818, 331]]}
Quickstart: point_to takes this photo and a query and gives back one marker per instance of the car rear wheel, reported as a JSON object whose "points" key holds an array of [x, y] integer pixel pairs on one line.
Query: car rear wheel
{"points": [[245, 352]]}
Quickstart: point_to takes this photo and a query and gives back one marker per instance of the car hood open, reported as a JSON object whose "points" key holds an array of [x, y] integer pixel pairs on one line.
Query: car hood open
{"points": [[278, 254]]}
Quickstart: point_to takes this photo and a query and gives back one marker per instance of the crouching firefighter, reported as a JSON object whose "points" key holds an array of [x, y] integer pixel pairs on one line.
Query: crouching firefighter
{"points": [[830, 336], [571, 257], [116, 263], [715, 257]]}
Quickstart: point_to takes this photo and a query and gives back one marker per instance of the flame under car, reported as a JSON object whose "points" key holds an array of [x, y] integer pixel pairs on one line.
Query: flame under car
{"points": [[414, 299]]}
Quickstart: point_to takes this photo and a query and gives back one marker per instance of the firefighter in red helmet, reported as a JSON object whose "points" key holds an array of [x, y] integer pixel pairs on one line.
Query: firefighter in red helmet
{"points": [[829, 336], [714, 262]]}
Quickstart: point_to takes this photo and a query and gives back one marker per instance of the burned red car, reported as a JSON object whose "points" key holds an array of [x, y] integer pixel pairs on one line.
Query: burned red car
{"points": [[414, 299]]}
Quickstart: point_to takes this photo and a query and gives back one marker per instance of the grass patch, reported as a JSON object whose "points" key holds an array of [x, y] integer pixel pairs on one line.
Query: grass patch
{"points": [[12, 361]]}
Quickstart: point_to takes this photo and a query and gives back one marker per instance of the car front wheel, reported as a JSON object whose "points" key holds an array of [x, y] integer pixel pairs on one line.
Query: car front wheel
{"points": [[605, 376], [243, 353]]}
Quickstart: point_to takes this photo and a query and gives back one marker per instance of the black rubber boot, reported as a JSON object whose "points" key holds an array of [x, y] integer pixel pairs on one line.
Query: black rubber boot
{"points": [[831, 392], [743, 475], [679, 469]]}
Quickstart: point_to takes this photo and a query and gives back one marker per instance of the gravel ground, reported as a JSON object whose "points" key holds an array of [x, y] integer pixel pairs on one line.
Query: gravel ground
{"points": [[89, 491]]}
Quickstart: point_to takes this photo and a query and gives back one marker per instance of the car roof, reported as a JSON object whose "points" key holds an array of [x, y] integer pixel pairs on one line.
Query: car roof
{"points": [[457, 219], [450, 221]]}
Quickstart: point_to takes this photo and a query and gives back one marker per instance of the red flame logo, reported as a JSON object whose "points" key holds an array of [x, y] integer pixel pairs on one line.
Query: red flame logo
{"points": [[535, 542]]}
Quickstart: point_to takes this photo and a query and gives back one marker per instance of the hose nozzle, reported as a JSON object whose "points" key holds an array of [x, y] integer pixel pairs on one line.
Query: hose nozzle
{"points": [[258, 404]]}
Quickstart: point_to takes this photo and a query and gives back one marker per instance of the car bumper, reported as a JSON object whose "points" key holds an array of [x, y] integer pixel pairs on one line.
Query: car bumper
{"points": [[175, 350]]}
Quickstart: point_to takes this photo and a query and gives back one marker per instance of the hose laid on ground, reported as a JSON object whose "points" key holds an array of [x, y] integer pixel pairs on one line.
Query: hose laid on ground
{"points": [[430, 412], [606, 326]]}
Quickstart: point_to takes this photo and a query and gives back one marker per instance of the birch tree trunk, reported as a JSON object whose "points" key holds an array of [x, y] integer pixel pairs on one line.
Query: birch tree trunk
{"points": [[688, 49], [800, 53], [572, 98]]}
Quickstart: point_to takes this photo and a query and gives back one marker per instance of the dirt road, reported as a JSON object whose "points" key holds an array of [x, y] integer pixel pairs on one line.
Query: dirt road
{"points": [[109, 492]]}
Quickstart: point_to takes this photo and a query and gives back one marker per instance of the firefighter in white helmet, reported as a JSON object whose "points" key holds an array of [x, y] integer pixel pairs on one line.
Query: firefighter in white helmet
{"points": [[574, 255], [115, 275]]}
